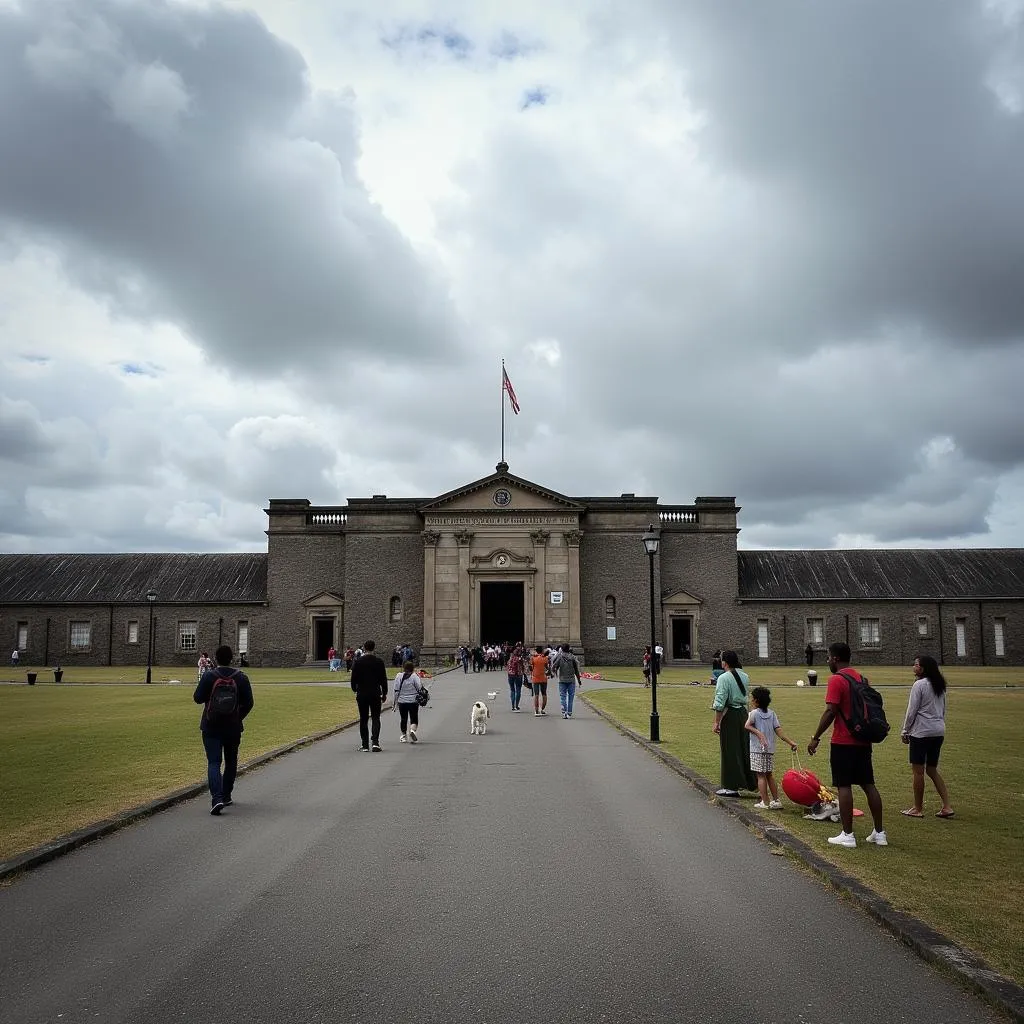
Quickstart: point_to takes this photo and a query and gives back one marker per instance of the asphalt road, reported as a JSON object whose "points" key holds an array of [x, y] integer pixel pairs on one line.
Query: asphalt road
{"points": [[548, 871]]}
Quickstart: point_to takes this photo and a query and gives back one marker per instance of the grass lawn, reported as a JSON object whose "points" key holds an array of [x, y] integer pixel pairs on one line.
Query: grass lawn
{"points": [[164, 674], [71, 755], [962, 876]]}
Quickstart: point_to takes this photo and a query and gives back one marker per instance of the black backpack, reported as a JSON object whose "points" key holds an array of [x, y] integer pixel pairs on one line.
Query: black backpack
{"points": [[867, 721], [222, 707], [422, 696]]}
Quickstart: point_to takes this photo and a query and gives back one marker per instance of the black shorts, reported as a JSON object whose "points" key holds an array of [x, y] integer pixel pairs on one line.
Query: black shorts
{"points": [[851, 765], [925, 750], [540, 689]]}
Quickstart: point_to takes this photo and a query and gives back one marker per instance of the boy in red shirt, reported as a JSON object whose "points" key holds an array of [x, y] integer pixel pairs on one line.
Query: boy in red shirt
{"points": [[850, 758]]}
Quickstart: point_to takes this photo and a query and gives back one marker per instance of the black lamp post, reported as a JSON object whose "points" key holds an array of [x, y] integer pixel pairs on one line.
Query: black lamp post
{"points": [[151, 598], [651, 541]]}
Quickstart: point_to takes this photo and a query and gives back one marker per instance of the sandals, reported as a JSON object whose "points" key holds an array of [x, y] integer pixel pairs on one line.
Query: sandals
{"points": [[944, 814], [912, 812]]}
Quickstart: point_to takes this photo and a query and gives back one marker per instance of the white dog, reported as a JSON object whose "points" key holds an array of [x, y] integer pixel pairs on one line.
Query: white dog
{"points": [[478, 718]]}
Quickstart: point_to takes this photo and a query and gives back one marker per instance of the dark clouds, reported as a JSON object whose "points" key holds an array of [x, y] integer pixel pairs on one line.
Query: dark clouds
{"points": [[181, 163]]}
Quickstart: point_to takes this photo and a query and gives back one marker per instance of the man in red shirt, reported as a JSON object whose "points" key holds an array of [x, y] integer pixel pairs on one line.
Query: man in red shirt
{"points": [[850, 758]]}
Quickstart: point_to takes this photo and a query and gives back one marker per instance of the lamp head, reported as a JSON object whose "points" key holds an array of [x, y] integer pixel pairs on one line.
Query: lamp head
{"points": [[151, 596], [651, 540]]}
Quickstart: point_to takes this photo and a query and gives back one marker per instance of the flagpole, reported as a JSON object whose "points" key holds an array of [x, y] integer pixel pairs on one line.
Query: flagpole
{"points": [[503, 410]]}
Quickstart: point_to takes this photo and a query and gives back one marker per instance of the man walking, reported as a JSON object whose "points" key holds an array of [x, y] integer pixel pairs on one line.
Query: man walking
{"points": [[370, 685], [567, 668], [850, 758], [226, 694]]}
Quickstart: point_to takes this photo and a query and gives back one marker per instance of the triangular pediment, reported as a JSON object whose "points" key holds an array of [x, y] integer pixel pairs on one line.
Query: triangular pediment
{"points": [[680, 597], [502, 491], [324, 599]]}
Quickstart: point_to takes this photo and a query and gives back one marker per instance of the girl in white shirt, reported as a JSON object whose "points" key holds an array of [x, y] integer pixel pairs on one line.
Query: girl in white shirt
{"points": [[924, 729], [407, 688]]}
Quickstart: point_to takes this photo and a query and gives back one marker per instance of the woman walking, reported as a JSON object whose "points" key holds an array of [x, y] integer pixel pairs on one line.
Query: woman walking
{"points": [[730, 707], [924, 729], [407, 686]]}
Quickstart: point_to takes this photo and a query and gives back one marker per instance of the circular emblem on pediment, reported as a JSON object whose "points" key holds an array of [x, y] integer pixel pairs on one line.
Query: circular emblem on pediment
{"points": [[501, 560], [502, 497]]}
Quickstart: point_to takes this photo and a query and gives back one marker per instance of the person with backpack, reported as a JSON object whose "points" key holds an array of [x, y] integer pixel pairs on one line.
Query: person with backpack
{"points": [[854, 710], [407, 700], [226, 696], [730, 707]]}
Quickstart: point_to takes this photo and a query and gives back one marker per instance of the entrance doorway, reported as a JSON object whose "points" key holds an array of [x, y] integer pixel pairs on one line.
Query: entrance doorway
{"points": [[682, 638], [323, 638], [502, 613]]}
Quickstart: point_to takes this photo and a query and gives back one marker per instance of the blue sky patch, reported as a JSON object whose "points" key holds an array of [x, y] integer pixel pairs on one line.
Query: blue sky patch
{"points": [[508, 46], [138, 370], [536, 97], [442, 38]]}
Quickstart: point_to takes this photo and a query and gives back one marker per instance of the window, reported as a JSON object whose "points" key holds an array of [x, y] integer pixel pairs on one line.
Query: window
{"points": [[188, 635], [80, 635], [922, 625], [999, 631], [816, 632], [395, 613], [762, 638], [961, 638], [133, 631], [22, 644], [609, 608], [870, 633], [243, 637]]}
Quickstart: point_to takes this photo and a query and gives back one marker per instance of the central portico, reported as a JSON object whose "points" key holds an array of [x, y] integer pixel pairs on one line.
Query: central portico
{"points": [[501, 561]]}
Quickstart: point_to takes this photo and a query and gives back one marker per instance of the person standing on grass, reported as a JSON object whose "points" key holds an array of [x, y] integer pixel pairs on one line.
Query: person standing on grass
{"points": [[763, 726], [730, 707], [850, 758], [15, 657], [226, 694], [924, 729], [369, 682]]}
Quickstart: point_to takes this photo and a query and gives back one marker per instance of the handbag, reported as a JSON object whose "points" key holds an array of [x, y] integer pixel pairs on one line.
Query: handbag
{"points": [[422, 696]]}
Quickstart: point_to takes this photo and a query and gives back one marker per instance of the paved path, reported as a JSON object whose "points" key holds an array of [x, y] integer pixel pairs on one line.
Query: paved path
{"points": [[549, 871]]}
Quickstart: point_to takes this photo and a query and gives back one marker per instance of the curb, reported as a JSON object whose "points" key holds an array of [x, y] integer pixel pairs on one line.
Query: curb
{"points": [[932, 946], [40, 855]]}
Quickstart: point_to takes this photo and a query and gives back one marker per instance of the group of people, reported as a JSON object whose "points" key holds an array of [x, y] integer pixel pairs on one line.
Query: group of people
{"points": [[531, 670], [645, 662], [484, 657], [747, 740]]}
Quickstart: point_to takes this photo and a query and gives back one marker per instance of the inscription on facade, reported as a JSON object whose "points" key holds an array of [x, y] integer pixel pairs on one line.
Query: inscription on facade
{"points": [[499, 520]]}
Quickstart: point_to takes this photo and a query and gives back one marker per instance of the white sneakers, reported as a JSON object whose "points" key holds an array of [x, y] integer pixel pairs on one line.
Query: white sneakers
{"points": [[774, 805], [412, 735], [850, 840], [402, 738], [760, 806], [843, 839]]}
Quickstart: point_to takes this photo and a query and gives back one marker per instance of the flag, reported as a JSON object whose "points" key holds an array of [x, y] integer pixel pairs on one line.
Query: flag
{"points": [[507, 385]]}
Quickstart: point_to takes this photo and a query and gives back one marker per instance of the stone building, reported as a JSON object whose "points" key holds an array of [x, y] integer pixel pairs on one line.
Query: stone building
{"points": [[503, 558]]}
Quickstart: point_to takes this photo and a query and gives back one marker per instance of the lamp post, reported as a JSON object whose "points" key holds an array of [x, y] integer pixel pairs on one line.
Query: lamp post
{"points": [[651, 541], [151, 598]]}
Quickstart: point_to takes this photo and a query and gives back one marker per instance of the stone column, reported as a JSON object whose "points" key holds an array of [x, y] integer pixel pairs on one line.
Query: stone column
{"points": [[572, 541], [540, 590], [464, 538], [430, 540]]}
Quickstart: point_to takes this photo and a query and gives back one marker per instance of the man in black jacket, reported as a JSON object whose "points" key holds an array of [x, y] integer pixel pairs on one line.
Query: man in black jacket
{"points": [[370, 685], [222, 732]]}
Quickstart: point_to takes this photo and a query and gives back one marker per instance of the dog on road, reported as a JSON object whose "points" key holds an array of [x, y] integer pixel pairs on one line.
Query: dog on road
{"points": [[478, 718]]}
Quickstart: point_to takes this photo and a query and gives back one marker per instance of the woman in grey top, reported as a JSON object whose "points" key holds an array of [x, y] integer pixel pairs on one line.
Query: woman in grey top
{"points": [[924, 729]]}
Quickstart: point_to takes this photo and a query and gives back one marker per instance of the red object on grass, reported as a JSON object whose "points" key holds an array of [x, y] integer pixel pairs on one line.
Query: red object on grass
{"points": [[801, 786]]}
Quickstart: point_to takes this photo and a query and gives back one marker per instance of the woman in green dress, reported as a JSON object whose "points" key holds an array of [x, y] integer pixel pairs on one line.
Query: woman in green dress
{"points": [[730, 707]]}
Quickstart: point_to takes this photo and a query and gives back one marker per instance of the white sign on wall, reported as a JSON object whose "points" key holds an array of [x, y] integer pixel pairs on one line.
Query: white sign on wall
{"points": [[556, 596], [611, 632]]}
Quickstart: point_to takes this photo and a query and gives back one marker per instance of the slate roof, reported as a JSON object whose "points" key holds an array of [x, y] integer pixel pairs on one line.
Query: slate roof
{"points": [[124, 579], [967, 574]]}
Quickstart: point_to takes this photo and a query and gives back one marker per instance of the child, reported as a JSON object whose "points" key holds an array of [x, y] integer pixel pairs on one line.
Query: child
{"points": [[763, 726]]}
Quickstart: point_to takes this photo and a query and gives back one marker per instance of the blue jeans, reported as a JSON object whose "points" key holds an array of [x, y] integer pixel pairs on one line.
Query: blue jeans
{"points": [[218, 747], [515, 689], [566, 695]]}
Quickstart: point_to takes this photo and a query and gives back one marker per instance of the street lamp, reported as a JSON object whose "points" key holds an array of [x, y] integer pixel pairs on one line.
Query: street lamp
{"points": [[151, 598], [651, 541]]}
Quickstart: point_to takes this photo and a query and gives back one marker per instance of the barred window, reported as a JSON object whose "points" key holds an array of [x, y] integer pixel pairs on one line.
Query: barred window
{"points": [[816, 632], [395, 612], [133, 631], [243, 637], [922, 625], [762, 638], [999, 636], [80, 635], [609, 608], [188, 636], [961, 638], [22, 643], [870, 632]]}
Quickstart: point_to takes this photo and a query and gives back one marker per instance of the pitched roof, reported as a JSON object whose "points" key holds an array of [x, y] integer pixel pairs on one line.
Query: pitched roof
{"points": [[124, 579], [501, 476], [967, 574]]}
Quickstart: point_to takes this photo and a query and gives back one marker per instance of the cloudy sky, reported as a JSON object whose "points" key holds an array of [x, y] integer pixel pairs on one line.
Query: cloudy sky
{"points": [[278, 248]]}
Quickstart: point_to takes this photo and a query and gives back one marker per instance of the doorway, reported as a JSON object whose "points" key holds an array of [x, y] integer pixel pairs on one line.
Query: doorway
{"points": [[502, 613], [682, 638], [323, 638]]}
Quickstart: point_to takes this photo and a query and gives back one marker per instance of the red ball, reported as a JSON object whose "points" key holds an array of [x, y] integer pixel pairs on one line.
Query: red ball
{"points": [[801, 786]]}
